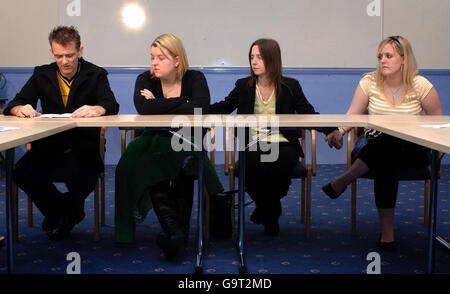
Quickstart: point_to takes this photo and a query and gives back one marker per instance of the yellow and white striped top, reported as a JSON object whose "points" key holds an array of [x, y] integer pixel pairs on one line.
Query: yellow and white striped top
{"points": [[411, 104]]}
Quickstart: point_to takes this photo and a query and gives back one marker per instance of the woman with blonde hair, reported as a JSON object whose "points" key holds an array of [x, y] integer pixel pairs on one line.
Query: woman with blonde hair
{"points": [[151, 173], [394, 88]]}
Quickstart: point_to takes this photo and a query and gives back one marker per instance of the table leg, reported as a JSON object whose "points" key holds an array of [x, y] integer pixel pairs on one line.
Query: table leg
{"points": [[200, 213], [435, 166], [432, 211], [9, 238], [243, 266]]}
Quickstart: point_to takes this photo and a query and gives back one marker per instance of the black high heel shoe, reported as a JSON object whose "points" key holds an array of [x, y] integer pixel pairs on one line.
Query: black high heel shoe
{"points": [[387, 246], [328, 189]]}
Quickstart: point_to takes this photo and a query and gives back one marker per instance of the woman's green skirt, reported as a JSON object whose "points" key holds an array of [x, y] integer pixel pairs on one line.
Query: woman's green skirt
{"points": [[148, 160]]}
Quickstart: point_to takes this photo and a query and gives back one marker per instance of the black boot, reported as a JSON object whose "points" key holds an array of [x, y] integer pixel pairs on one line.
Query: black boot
{"points": [[183, 192], [173, 235], [184, 217]]}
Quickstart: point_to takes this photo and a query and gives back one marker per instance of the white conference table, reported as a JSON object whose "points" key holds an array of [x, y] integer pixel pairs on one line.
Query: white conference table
{"points": [[405, 127], [438, 140], [28, 131]]}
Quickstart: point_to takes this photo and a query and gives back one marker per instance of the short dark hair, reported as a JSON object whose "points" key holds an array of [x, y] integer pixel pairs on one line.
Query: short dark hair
{"points": [[271, 54], [63, 35]]}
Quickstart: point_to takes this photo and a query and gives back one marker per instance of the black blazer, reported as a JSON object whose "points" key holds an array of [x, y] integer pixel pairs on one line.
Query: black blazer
{"points": [[90, 87], [289, 101]]}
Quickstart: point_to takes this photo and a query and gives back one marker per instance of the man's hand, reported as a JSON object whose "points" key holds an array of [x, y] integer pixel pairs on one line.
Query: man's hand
{"points": [[89, 111], [24, 111], [335, 139]]}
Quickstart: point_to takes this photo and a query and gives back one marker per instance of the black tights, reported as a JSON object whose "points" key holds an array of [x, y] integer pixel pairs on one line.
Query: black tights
{"points": [[268, 182]]}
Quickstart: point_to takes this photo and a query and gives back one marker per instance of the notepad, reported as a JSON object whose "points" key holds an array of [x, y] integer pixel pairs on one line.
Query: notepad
{"points": [[2, 129], [437, 126], [54, 115]]}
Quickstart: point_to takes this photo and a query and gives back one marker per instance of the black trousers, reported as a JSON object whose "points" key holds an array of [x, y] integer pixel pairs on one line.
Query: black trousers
{"points": [[268, 182], [36, 175], [383, 154]]}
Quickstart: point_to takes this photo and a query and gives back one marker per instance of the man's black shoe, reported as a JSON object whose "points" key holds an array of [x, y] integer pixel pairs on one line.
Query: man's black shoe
{"points": [[48, 225], [65, 227]]}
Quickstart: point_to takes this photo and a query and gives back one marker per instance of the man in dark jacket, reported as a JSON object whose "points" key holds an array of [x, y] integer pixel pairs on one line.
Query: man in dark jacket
{"points": [[69, 85]]}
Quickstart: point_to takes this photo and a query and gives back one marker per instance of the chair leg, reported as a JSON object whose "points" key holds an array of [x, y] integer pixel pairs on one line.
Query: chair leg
{"points": [[15, 208], [103, 201], [308, 203], [124, 141], [302, 201], [353, 208], [233, 216], [426, 216], [96, 213]]}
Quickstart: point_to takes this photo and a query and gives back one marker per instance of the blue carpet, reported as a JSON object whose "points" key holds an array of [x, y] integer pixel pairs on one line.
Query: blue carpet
{"points": [[330, 250]]}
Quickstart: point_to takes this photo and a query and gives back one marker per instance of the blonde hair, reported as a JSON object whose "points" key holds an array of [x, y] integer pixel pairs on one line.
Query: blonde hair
{"points": [[404, 49], [175, 47]]}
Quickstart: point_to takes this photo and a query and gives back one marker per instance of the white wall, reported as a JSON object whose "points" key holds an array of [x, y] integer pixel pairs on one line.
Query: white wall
{"points": [[24, 29], [426, 24], [311, 33], [25, 25]]}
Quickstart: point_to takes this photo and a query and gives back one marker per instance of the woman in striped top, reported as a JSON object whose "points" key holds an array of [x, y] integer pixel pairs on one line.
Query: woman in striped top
{"points": [[394, 88]]}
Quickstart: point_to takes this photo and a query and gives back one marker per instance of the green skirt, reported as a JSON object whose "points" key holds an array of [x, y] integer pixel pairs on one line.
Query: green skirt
{"points": [[149, 160]]}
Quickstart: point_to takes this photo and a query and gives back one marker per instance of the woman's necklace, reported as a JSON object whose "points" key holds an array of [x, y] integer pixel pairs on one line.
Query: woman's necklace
{"points": [[265, 102], [172, 91], [395, 92]]}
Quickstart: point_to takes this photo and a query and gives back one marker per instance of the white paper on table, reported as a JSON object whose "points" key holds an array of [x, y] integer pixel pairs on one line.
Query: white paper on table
{"points": [[2, 129], [437, 126], [54, 115]]}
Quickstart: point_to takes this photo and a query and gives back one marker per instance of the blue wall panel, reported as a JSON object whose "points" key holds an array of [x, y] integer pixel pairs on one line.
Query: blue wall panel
{"points": [[329, 90]]}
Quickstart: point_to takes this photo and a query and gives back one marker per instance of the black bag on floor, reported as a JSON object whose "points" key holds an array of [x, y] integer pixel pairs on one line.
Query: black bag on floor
{"points": [[220, 216]]}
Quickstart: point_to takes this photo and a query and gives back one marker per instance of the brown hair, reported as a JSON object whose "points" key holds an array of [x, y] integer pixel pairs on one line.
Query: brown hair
{"points": [[271, 55], [63, 35]]}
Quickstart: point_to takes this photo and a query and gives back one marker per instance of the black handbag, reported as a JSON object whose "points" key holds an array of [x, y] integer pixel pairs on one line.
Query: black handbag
{"points": [[220, 216]]}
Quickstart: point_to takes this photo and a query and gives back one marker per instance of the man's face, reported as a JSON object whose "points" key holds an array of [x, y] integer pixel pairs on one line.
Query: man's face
{"points": [[66, 58]]}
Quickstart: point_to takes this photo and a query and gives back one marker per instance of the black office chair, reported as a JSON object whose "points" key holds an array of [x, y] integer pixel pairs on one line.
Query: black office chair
{"points": [[301, 171], [401, 174]]}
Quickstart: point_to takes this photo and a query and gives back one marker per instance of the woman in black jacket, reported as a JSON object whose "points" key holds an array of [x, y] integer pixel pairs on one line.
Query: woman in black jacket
{"points": [[267, 91], [151, 173]]}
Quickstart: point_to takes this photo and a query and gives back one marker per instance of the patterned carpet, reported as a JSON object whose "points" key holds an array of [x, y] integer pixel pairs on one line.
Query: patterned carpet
{"points": [[330, 250]]}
